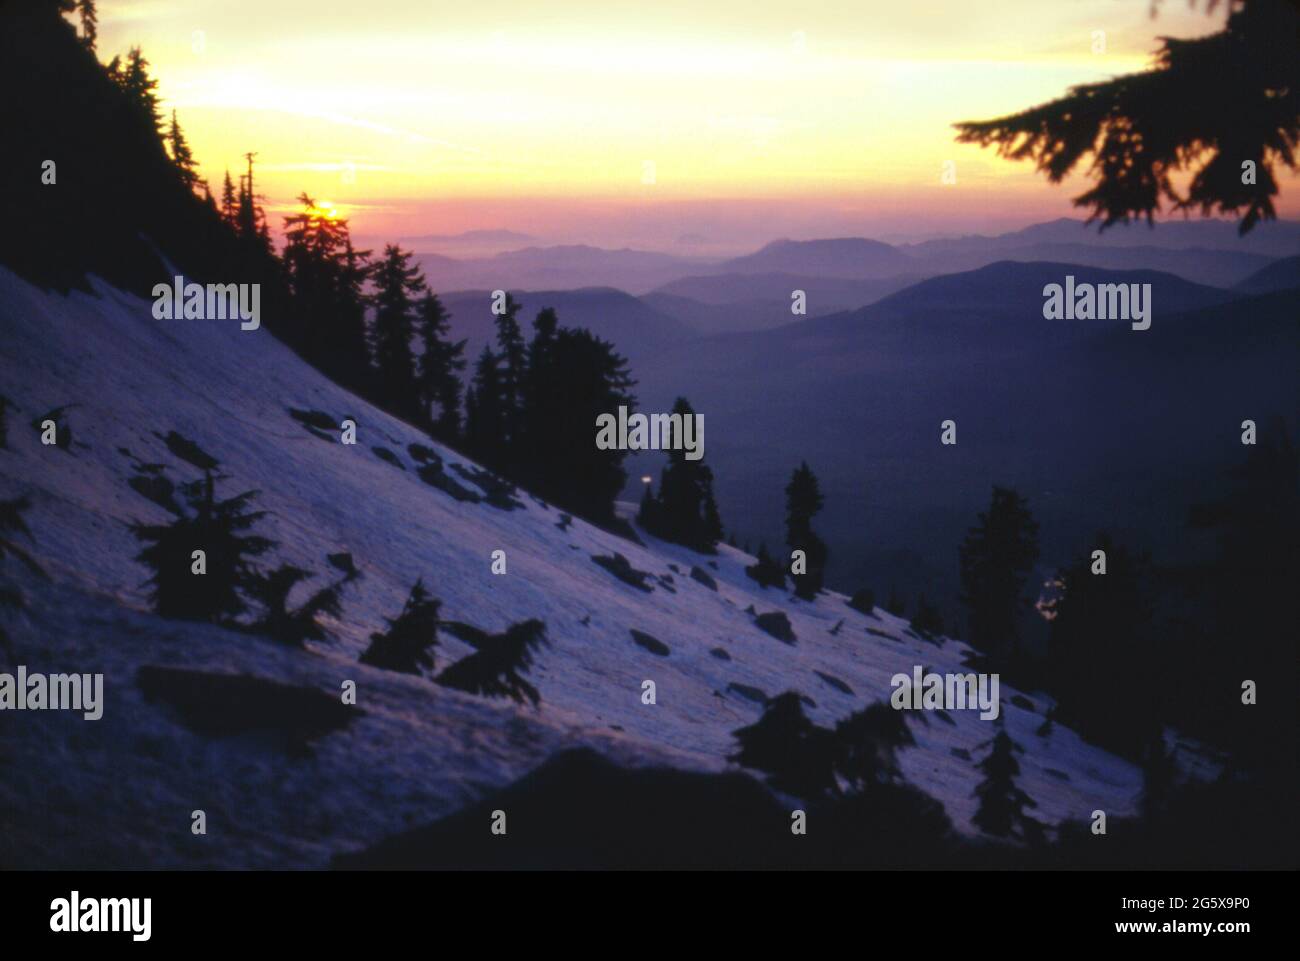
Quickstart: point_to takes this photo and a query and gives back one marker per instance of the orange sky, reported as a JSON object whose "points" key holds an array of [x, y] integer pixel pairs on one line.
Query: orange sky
{"points": [[633, 123]]}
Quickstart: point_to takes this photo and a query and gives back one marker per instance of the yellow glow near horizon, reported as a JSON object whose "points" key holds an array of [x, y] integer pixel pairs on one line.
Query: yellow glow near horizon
{"points": [[837, 105]]}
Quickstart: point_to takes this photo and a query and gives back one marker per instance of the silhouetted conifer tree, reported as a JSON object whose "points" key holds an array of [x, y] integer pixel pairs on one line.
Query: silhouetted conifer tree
{"points": [[277, 621], [326, 277], [485, 419], [767, 571], [713, 529], [229, 205], [868, 743], [89, 23], [1001, 811], [409, 642], [438, 370], [218, 529], [996, 558], [685, 511], [863, 600], [927, 620], [397, 285], [798, 756], [496, 668], [182, 156], [1102, 652], [896, 605], [539, 377], [577, 378], [647, 514], [134, 80], [250, 219], [803, 499], [512, 354]]}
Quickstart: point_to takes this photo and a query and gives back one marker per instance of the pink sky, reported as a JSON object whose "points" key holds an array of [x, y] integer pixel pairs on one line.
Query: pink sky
{"points": [[635, 124]]}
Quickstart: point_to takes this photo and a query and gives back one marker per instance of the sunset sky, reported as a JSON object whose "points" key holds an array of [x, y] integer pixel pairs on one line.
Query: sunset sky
{"points": [[696, 126]]}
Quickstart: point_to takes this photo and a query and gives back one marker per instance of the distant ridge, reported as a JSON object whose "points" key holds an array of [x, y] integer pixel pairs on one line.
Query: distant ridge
{"points": [[473, 237], [1276, 238], [1283, 274], [1007, 283], [849, 257]]}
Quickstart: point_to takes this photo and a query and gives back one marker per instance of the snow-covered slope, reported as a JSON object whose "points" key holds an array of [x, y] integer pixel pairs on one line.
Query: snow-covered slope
{"points": [[120, 791]]}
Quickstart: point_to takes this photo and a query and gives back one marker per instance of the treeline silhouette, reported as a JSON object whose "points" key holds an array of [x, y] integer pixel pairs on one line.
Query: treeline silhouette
{"points": [[125, 192], [102, 184]]}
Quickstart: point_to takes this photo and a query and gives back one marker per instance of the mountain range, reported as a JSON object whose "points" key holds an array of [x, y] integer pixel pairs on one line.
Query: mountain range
{"points": [[756, 291], [1071, 413]]}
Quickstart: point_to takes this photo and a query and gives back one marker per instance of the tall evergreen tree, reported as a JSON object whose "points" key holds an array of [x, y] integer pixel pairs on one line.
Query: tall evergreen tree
{"points": [[326, 277], [1102, 653], [397, 285], [1002, 804], [485, 417], [582, 378], [685, 511], [250, 218], [134, 80], [182, 156], [409, 642], [89, 23], [512, 355], [350, 332], [496, 669], [803, 499], [560, 384], [438, 370], [534, 403], [219, 529], [229, 205], [996, 558], [545, 326]]}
